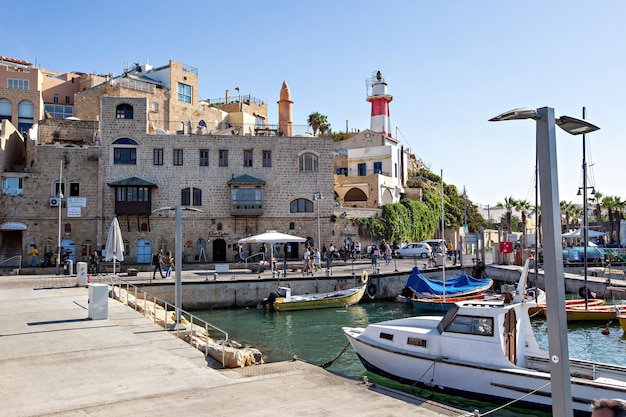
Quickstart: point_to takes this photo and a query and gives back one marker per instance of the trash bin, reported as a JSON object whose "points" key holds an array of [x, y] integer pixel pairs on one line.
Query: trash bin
{"points": [[68, 267], [98, 301], [439, 259], [81, 274]]}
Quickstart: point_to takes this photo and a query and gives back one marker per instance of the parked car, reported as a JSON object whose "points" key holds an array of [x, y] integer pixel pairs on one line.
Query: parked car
{"points": [[419, 249]]}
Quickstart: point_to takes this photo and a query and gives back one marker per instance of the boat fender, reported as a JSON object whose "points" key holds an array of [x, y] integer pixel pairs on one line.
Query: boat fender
{"points": [[364, 276], [371, 290]]}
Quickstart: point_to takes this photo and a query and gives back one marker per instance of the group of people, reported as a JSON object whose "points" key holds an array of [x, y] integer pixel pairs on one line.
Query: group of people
{"points": [[160, 262], [312, 261]]}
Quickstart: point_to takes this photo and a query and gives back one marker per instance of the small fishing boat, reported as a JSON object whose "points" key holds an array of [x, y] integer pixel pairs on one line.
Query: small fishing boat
{"points": [[283, 300], [591, 313], [421, 286], [481, 350], [443, 304], [541, 304], [621, 316]]}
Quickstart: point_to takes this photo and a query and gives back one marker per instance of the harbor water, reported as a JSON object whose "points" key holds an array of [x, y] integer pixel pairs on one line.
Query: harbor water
{"points": [[315, 336]]}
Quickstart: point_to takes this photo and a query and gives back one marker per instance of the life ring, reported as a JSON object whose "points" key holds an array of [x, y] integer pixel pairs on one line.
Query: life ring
{"points": [[364, 277]]}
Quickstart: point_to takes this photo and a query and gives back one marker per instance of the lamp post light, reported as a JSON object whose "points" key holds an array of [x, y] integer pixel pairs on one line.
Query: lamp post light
{"points": [[178, 253], [60, 196], [553, 265], [317, 197]]}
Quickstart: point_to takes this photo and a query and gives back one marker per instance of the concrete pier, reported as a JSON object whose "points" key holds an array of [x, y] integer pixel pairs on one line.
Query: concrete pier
{"points": [[55, 361]]}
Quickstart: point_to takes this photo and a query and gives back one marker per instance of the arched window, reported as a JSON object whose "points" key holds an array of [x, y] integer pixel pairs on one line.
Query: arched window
{"points": [[124, 111], [301, 205], [125, 151], [308, 162], [5, 109], [25, 115]]}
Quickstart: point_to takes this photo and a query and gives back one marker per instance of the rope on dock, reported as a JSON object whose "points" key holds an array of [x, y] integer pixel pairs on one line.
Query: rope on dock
{"points": [[329, 363]]}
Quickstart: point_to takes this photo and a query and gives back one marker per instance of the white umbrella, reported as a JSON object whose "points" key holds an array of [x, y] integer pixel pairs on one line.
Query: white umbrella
{"points": [[272, 236], [579, 234], [115, 244]]}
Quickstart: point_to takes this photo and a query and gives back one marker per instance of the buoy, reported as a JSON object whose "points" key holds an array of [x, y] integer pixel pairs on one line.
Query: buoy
{"points": [[606, 331], [364, 277]]}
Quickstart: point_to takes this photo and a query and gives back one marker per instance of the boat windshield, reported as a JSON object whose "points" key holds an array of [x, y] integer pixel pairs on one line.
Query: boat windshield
{"points": [[447, 319]]}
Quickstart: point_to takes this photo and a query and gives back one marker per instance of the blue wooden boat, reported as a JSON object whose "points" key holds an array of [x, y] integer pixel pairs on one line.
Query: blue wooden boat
{"points": [[421, 286]]}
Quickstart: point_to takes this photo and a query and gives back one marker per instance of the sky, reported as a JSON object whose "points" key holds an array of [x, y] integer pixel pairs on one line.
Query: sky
{"points": [[449, 65]]}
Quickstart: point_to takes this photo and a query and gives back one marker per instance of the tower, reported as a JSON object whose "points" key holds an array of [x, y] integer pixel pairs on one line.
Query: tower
{"points": [[377, 95], [285, 116]]}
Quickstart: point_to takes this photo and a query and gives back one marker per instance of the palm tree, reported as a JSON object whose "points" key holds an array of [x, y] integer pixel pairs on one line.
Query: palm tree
{"points": [[509, 205], [607, 203], [564, 207], [524, 207], [597, 208], [319, 122], [620, 205]]}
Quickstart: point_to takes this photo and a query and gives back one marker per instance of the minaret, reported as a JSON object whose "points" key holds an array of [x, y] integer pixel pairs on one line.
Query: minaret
{"points": [[380, 104], [285, 115]]}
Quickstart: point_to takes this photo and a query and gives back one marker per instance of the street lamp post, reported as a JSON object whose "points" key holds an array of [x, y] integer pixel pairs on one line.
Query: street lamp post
{"points": [[317, 197], [553, 265], [178, 253], [60, 196]]}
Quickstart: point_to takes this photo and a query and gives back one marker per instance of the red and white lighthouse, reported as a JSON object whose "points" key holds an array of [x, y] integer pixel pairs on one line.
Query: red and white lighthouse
{"points": [[380, 104]]}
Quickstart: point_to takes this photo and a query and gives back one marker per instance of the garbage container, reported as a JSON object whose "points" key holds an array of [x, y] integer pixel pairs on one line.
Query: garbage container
{"points": [[98, 301], [439, 259], [81, 274], [68, 267]]}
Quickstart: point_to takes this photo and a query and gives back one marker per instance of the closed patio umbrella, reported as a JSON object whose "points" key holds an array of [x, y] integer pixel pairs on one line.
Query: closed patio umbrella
{"points": [[115, 244]]}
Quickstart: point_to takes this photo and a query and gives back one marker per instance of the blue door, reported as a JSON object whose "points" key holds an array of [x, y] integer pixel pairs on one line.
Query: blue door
{"points": [[68, 247], [144, 251]]}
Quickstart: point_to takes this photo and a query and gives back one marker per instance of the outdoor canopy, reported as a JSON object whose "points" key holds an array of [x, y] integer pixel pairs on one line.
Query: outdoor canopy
{"points": [[579, 234], [272, 236]]}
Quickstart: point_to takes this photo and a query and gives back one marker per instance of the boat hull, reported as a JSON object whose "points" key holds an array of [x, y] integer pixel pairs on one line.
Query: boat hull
{"points": [[568, 303], [335, 299], [622, 321], [495, 384], [441, 304], [593, 313]]}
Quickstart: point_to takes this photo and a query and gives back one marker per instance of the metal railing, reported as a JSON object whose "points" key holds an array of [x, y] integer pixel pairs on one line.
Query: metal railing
{"points": [[146, 304], [18, 257]]}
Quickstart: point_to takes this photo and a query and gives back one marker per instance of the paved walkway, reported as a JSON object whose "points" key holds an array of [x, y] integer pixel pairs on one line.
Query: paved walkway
{"points": [[54, 361]]}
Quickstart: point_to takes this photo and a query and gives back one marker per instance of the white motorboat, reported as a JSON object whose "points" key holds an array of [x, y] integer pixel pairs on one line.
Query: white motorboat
{"points": [[481, 350]]}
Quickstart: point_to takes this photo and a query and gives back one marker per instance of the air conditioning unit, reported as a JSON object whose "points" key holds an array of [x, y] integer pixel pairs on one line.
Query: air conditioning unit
{"points": [[54, 201]]}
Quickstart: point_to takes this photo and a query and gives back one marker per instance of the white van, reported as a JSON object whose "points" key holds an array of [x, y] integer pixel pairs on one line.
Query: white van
{"points": [[437, 245]]}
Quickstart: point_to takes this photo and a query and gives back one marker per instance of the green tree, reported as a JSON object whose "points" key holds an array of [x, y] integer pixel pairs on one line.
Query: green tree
{"points": [[524, 207], [318, 122], [508, 205]]}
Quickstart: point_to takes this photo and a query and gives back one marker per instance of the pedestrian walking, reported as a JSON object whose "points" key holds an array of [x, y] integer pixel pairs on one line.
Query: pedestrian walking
{"points": [[158, 261], [169, 264]]}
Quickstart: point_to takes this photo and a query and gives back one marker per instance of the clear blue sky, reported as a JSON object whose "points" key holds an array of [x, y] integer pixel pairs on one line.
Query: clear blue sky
{"points": [[450, 66]]}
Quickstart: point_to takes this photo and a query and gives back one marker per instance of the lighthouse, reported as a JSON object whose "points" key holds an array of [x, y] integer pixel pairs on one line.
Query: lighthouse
{"points": [[377, 95]]}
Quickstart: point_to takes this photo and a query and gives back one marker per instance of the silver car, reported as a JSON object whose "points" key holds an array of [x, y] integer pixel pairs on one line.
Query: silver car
{"points": [[415, 250]]}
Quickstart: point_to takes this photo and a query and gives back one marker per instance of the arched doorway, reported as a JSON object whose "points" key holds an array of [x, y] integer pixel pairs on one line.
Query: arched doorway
{"points": [[219, 250]]}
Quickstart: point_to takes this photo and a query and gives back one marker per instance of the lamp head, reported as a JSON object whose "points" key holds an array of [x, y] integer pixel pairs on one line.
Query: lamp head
{"points": [[575, 126], [516, 114]]}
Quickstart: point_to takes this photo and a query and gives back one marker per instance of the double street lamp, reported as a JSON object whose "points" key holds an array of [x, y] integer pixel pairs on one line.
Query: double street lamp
{"points": [[178, 254], [553, 265], [317, 197]]}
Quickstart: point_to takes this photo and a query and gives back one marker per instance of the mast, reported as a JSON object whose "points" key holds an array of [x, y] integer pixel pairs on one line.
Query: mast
{"points": [[443, 263]]}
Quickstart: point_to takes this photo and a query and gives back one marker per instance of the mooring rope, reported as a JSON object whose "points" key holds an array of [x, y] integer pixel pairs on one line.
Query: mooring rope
{"points": [[329, 363]]}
